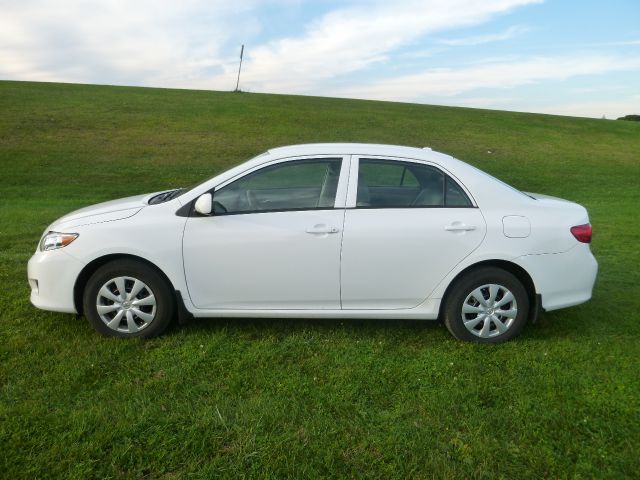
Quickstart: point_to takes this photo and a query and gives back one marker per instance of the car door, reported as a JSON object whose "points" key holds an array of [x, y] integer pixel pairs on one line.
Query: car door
{"points": [[273, 241], [406, 226]]}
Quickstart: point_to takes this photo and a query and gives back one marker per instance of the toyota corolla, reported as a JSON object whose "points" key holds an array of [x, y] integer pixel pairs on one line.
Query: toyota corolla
{"points": [[325, 230]]}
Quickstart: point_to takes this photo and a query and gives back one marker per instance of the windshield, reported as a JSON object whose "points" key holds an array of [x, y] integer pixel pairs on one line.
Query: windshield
{"points": [[502, 182], [188, 189], [195, 185], [166, 196]]}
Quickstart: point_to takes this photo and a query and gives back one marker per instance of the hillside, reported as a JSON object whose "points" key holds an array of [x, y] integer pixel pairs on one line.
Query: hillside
{"points": [[308, 398]]}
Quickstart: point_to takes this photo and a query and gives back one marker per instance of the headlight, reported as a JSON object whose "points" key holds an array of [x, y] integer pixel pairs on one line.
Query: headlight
{"points": [[53, 240]]}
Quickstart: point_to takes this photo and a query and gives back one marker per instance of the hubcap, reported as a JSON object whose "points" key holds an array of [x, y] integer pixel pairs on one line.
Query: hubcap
{"points": [[489, 310], [126, 304]]}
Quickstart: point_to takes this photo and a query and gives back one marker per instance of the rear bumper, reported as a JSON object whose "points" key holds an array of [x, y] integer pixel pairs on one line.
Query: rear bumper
{"points": [[52, 276], [562, 279]]}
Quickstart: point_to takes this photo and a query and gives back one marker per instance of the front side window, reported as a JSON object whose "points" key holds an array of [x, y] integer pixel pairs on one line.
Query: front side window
{"points": [[294, 185], [395, 184]]}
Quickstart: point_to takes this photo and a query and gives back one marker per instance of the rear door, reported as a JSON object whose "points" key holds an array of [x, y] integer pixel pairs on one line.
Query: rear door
{"points": [[409, 225]]}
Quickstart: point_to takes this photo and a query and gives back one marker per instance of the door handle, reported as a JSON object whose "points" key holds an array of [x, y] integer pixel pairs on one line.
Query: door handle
{"points": [[321, 228], [459, 227]]}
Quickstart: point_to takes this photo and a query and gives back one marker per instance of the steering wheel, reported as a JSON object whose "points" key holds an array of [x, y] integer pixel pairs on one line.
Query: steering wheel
{"points": [[218, 207], [249, 199]]}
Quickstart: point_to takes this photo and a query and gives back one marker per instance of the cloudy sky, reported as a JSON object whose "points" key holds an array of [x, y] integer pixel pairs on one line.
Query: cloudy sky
{"points": [[555, 56]]}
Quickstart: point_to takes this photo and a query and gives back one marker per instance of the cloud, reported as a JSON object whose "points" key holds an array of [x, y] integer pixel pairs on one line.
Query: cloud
{"points": [[489, 102], [443, 82], [621, 43], [140, 43], [351, 39], [611, 109], [507, 34], [193, 43]]}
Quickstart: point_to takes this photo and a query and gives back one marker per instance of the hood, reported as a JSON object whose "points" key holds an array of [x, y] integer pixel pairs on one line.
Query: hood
{"points": [[104, 212]]}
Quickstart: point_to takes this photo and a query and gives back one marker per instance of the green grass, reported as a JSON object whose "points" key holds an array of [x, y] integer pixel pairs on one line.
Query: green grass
{"points": [[309, 398]]}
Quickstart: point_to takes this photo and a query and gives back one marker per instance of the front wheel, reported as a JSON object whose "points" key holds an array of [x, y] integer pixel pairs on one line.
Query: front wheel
{"points": [[488, 305], [126, 298]]}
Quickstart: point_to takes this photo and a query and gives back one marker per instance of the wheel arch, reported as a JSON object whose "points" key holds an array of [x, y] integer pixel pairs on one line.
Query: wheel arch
{"points": [[90, 268], [535, 301]]}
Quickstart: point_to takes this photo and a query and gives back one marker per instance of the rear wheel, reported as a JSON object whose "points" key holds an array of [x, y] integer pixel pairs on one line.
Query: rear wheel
{"points": [[126, 298], [487, 305]]}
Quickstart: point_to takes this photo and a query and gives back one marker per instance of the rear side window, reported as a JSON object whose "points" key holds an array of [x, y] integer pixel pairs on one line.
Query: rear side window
{"points": [[454, 195], [384, 174], [395, 184]]}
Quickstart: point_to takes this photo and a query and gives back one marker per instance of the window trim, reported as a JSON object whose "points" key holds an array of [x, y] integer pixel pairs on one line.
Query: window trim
{"points": [[340, 191], [355, 171], [279, 210]]}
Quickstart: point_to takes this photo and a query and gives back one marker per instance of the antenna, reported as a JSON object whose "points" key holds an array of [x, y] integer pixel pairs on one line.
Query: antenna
{"points": [[239, 69]]}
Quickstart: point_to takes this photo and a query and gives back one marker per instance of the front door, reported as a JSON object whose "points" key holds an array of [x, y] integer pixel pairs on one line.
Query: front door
{"points": [[273, 241]]}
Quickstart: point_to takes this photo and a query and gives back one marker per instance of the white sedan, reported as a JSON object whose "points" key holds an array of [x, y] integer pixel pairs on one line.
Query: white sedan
{"points": [[325, 230]]}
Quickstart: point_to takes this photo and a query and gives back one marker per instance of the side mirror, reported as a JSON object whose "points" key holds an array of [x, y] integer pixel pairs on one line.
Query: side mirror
{"points": [[204, 204]]}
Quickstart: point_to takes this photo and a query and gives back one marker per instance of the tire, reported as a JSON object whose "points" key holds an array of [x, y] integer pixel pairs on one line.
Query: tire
{"points": [[147, 314], [486, 319]]}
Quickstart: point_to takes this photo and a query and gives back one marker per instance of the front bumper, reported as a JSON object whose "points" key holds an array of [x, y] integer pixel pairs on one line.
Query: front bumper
{"points": [[52, 276], [562, 279]]}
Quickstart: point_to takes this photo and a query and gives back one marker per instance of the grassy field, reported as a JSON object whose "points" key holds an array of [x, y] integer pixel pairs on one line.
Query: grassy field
{"points": [[253, 398]]}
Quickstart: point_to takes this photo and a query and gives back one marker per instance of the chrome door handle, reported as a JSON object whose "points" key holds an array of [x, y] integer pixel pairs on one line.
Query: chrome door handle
{"points": [[459, 227], [321, 228]]}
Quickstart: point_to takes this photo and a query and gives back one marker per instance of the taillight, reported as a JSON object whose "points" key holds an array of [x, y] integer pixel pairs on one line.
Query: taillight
{"points": [[582, 233]]}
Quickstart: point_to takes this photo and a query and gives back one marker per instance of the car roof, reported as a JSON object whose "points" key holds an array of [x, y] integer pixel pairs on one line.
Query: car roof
{"points": [[358, 149], [473, 179]]}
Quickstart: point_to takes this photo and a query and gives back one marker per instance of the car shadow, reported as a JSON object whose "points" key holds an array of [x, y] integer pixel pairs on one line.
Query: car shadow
{"points": [[269, 326], [576, 323], [555, 325]]}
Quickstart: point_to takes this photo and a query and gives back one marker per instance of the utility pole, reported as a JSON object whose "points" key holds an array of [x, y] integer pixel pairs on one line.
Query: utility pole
{"points": [[239, 69]]}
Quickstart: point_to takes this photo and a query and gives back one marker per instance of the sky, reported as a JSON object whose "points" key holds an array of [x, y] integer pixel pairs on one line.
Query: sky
{"points": [[567, 57]]}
